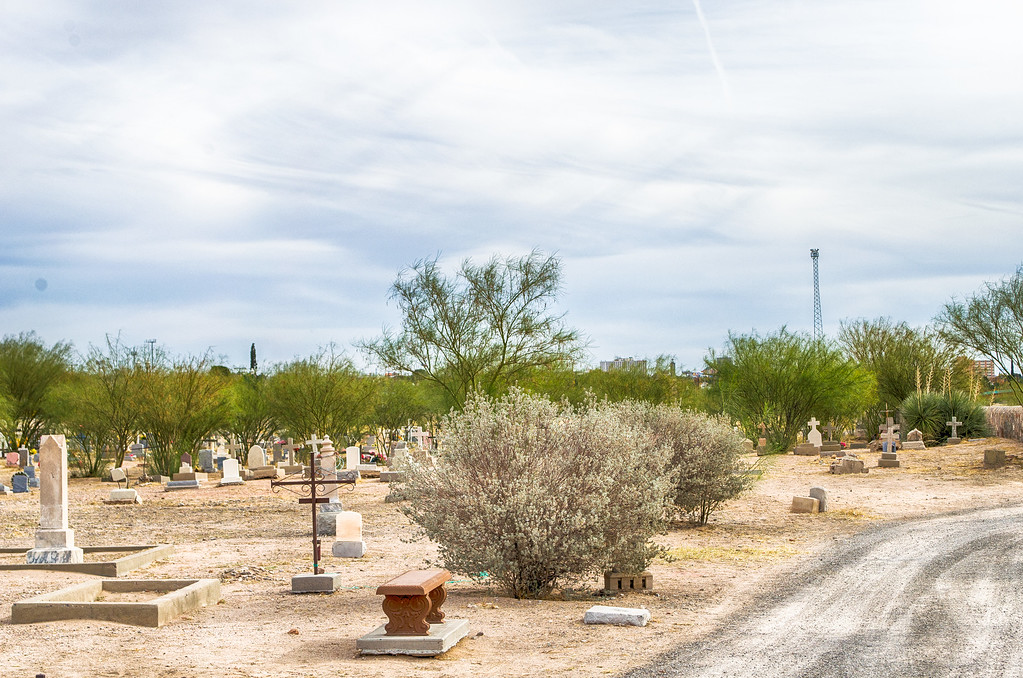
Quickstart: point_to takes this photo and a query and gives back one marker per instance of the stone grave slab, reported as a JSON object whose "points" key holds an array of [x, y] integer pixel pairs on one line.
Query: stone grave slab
{"points": [[173, 598], [181, 485], [124, 560], [327, 582], [125, 496], [805, 505]]}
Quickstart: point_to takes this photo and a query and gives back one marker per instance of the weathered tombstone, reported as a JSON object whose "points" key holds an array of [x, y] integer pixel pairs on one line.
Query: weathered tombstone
{"points": [[994, 458], [349, 544], [13, 459], [954, 439], [19, 483], [30, 471], [186, 460], [256, 457], [125, 495], [821, 495], [804, 505], [806, 450], [814, 436], [914, 441], [231, 475], [206, 461], [278, 453], [291, 448], [55, 542], [24, 458]]}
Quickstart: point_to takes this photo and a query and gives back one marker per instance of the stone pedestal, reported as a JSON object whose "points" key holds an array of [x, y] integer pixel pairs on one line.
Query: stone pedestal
{"points": [[888, 460], [806, 450], [54, 546]]}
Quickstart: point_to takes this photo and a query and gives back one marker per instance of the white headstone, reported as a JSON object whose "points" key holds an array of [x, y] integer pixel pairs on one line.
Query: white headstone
{"points": [[814, 436], [231, 475], [352, 458], [349, 542], [257, 457]]}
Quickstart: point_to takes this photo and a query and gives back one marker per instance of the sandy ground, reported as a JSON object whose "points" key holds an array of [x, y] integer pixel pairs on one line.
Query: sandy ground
{"points": [[254, 541]]}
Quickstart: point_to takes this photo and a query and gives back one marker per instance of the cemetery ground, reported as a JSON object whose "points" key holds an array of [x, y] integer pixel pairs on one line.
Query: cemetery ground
{"points": [[254, 541]]}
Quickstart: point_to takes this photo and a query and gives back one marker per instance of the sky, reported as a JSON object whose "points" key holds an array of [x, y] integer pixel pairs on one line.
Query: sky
{"points": [[211, 175]]}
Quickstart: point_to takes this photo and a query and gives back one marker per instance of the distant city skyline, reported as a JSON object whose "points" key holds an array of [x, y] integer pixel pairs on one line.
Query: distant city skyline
{"points": [[216, 174]]}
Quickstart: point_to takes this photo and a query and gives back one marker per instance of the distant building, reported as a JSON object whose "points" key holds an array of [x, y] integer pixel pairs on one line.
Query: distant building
{"points": [[623, 364], [985, 368]]}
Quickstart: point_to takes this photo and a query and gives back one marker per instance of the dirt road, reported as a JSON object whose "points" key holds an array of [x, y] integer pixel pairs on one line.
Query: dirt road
{"points": [[935, 597]]}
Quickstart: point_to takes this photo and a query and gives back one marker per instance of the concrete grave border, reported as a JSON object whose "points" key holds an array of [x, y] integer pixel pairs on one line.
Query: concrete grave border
{"points": [[79, 602], [138, 556]]}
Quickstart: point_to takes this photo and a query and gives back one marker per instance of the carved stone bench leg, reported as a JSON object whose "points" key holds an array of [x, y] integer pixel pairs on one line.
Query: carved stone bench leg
{"points": [[406, 615], [437, 598]]}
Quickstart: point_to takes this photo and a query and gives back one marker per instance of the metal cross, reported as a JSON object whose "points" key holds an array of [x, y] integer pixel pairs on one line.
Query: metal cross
{"points": [[313, 491]]}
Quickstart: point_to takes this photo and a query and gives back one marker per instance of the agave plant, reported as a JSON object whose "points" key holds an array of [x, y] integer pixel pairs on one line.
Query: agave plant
{"points": [[923, 411]]}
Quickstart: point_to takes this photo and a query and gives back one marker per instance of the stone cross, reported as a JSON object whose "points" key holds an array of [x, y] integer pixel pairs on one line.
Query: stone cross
{"points": [[814, 436], [291, 448], [831, 428], [313, 442], [954, 424], [232, 447], [55, 543]]}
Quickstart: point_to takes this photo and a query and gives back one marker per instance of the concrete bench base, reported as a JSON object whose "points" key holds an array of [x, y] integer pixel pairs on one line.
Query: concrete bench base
{"points": [[442, 637]]}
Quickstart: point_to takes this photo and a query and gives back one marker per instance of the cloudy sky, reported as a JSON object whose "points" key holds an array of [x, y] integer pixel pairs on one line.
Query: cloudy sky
{"points": [[215, 174]]}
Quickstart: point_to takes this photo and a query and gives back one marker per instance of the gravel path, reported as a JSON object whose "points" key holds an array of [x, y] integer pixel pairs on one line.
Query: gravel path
{"points": [[941, 596]]}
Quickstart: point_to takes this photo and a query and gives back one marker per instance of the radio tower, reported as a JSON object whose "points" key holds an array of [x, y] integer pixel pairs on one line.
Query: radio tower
{"points": [[818, 324]]}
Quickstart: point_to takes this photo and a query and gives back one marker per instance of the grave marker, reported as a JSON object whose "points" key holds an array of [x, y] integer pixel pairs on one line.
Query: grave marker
{"points": [[814, 436], [55, 542], [309, 491], [954, 439]]}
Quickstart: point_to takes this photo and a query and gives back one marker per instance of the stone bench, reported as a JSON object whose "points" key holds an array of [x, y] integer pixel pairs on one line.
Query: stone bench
{"points": [[412, 601]]}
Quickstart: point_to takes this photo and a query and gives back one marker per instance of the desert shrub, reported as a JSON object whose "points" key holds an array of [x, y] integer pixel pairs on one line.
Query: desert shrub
{"points": [[1005, 421], [536, 495], [705, 453], [923, 411], [965, 410]]}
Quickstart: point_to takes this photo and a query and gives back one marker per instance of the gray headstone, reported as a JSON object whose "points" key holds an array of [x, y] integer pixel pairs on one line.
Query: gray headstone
{"points": [[821, 495], [19, 484], [206, 461], [30, 471]]}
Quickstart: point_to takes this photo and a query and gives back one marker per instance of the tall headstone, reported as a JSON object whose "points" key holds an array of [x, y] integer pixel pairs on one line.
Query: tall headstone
{"points": [[24, 457], [352, 458], [55, 542], [206, 461]]}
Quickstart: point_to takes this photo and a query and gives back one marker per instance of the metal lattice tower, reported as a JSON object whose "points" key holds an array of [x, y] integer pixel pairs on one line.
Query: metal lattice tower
{"points": [[818, 323]]}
